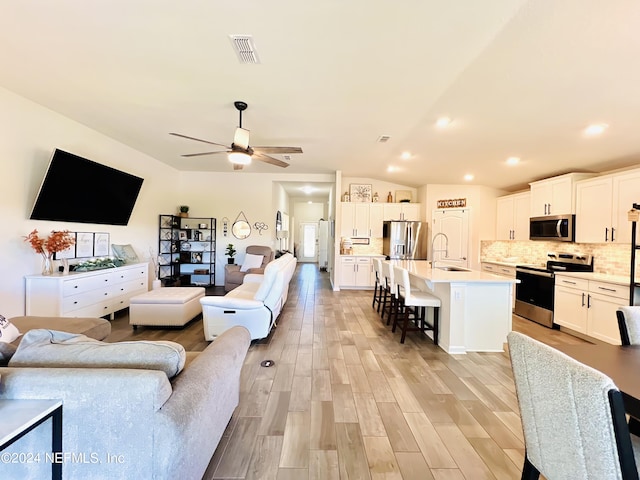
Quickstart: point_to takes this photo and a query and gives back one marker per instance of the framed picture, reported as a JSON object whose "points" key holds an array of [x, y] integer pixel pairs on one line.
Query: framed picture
{"points": [[403, 196], [182, 235], [84, 244], [360, 192], [68, 252], [125, 252], [100, 244], [196, 257]]}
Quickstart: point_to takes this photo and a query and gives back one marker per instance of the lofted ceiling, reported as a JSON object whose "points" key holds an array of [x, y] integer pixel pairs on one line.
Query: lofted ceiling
{"points": [[517, 78]]}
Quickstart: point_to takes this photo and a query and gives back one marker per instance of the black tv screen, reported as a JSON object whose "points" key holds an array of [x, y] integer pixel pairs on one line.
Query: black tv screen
{"points": [[79, 190]]}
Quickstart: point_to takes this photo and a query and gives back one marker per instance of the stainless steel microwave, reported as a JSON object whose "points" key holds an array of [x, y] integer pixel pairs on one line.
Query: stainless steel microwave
{"points": [[561, 228]]}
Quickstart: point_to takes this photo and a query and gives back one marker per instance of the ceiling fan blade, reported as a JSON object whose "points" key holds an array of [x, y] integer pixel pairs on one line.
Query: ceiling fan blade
{"points": [[237, 166], [198, 139], [277, 149], [203, 153], [268, 159], [241, 138]]}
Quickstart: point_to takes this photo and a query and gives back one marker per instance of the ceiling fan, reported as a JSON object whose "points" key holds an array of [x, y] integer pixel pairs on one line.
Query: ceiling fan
{"points": [[240, 153]]}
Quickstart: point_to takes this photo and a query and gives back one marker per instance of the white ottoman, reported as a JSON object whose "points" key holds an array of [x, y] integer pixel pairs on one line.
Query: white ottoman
{"points": [[166, 307]]}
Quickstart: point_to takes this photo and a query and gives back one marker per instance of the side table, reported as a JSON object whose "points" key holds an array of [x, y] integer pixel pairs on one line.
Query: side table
{"points": [[19, 417]]}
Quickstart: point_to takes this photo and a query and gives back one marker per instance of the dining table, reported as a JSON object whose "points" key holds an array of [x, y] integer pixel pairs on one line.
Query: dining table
{"points": [[620, 363]]}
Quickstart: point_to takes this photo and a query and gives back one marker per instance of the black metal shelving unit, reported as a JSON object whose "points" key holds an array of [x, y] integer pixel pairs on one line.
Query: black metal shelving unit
{"points": [[634, 286], [187, 251]]}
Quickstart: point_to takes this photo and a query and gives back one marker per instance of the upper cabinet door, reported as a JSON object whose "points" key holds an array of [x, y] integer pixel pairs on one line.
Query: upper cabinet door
{"points": [[593, 210], [504, 218], [521, 215], [626, 192], [376, 218], [392, 211]]}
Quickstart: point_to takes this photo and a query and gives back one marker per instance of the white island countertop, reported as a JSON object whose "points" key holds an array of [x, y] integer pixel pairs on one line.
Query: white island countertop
{"points": [[475, 311], [423, 270]]}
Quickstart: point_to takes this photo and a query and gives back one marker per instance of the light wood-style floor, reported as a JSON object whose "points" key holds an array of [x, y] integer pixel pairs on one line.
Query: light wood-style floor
{"points": [[346, 400]]}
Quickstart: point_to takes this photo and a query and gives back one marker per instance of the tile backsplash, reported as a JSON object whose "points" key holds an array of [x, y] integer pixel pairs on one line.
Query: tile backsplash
{"points": [[611, 259]]}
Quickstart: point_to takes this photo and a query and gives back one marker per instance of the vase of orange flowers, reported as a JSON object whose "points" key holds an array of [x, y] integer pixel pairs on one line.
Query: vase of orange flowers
{"points": [[56, 242]]}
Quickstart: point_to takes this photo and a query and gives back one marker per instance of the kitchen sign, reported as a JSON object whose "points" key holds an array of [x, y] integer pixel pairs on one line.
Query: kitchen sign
{"points": [[454, 203]]}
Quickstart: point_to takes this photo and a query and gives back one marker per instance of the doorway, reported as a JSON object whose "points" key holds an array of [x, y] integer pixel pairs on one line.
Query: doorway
{"points": [[308, 242], [450, 236]]}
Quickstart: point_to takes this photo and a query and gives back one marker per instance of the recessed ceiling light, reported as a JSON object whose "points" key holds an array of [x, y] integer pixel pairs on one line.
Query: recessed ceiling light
{"points": [[443, 122], [392, 169], [513, 161], [405, 155], [595, 129], [468, 177], [307, 189]]}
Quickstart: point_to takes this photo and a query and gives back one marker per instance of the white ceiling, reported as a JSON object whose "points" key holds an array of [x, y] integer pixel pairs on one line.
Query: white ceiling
{"points": [[519, 78]]}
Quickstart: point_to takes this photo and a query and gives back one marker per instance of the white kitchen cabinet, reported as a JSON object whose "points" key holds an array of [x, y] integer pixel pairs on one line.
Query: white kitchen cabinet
{"points": [[355, 220], [601, 207], [593, 212], [85, 294], [503, 271], [401, 211], [376, 218], [589, 306], [356, 272], [512, 219], [556, 195]]}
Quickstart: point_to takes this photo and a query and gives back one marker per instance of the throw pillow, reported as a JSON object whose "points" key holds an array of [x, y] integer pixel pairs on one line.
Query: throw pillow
{"points": [[251, 261], [51, 348], [8, 331]]}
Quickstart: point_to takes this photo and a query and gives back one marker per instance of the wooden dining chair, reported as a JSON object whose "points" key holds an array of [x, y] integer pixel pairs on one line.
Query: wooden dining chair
{"points": [[573, 416], [629, 325], [412, 305]]}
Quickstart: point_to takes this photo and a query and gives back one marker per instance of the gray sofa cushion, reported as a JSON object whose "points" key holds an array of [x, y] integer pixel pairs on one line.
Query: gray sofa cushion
{"points": [[50, 348]]}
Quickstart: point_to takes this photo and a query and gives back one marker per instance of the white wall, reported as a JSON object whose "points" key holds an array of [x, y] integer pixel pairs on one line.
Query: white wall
{"points": [[480, 199], [30, 135]]}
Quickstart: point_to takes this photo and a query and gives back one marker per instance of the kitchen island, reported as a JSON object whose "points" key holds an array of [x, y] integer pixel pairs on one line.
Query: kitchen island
{"points": [[475, 315]]}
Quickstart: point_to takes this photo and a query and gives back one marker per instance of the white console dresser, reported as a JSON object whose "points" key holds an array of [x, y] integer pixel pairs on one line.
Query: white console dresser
{"points": [[85, 294]]}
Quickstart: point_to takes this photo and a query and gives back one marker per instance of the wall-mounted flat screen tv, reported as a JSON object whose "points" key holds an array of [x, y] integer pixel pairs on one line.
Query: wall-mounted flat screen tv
{"points": [[75, 189]]}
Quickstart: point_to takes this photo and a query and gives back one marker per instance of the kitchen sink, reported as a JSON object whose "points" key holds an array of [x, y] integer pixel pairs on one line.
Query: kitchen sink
{"points": [[451, 268]]}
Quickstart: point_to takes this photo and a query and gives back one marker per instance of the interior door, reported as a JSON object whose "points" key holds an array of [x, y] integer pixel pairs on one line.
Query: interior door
{"points": [[450, 236], [308, 251]]}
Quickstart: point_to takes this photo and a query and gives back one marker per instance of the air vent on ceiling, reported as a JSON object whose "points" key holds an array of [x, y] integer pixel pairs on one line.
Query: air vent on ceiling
{"points": [[245, 49], [383, 138], [287, 157]]}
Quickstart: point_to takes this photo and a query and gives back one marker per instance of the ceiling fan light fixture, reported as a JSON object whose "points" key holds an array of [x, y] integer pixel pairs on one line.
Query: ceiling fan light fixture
{"points": [[239, 158]]}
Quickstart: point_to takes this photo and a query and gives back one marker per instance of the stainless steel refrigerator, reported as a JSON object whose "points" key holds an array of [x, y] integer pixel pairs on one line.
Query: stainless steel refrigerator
{"points": [[404, 240]]}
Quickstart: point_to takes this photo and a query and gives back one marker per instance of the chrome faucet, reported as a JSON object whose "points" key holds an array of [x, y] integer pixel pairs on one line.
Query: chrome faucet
{"points": [[446, 246]]}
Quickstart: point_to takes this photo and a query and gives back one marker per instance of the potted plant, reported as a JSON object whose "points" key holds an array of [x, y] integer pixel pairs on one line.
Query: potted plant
{"points": [[230, 251], [184, 211]]}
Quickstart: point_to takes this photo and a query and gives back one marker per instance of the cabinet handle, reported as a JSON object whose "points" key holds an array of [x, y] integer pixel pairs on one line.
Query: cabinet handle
{"points": [[589, 301], [606, 234], [608, 289], [583, 299], [612, 230], [571, 283], [549, 209]]}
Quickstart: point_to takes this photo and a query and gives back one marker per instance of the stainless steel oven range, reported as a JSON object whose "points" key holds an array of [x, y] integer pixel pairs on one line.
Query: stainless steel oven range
{"points": [[534, 293]]}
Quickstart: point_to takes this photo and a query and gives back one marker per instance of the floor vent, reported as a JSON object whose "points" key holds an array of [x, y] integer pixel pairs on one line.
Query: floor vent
{"points": [[383, 138], [245, 49]]}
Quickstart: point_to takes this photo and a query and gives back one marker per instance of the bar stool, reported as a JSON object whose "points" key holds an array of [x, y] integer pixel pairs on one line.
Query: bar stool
{"points": [[414, 302], [378, 286], [389, 300]]}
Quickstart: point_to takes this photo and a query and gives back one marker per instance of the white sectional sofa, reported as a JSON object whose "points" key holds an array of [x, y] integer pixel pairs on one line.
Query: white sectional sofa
{"points": [[255, 304]]}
